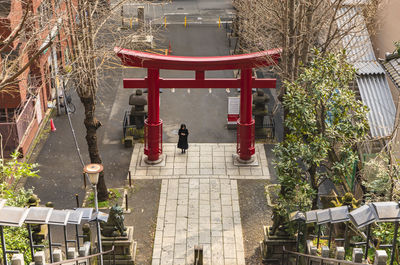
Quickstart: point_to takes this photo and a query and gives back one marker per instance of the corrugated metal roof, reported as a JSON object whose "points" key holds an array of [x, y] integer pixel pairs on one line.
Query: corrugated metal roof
{"points": [[356, 40], [393, 69], [354, 2], [375, 93], [368, 68], [371, 79]]}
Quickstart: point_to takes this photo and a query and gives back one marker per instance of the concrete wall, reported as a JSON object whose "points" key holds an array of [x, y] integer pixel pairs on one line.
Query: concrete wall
{"points": [[387, 32]]}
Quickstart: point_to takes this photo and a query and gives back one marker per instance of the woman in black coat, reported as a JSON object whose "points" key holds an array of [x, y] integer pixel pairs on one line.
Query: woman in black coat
{"points": [[183, 138]]}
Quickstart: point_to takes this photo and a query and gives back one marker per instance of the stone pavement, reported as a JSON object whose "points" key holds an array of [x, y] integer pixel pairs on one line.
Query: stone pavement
{"points": [[200, 161], [199, 202]]}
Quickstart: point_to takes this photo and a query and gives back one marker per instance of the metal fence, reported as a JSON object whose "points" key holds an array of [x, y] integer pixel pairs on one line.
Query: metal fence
{"points": [[12, 133]]}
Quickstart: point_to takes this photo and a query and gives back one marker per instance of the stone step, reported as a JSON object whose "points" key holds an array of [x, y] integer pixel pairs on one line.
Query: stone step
{"points": [[118, 262], [118, 257]]}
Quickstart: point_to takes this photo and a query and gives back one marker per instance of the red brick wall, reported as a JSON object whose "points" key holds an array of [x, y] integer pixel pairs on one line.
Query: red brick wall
{"points": [[40, 67], [8, 100]]}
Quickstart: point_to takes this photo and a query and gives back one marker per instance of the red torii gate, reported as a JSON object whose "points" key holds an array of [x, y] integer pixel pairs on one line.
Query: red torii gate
{"points": [[153, 82]]}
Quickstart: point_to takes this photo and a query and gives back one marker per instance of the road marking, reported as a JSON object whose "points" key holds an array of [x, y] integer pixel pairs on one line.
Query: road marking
{"points": [[172, 14]]}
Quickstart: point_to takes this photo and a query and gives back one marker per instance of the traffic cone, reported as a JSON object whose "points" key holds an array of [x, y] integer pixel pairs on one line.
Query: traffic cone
{"points": [[169, 48], [53, 128]]}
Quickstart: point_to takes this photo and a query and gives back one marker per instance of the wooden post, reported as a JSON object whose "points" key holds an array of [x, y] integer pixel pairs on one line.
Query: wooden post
{"points": [[198, 255]]}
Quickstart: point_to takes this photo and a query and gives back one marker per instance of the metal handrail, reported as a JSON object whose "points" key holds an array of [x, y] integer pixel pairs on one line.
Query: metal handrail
{"points": [[83, 258], [321, 259]]}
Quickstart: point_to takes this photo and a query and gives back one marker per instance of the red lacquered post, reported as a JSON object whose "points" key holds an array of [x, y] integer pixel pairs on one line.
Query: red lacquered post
{"points": [[245, 136], [153, 141]]}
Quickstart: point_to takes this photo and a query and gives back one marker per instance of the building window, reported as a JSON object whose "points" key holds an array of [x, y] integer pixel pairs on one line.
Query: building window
{"points": [[57, 3], [45, 11], [7, 115]]}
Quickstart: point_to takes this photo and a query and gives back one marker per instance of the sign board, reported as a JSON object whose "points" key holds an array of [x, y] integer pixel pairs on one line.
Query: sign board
{"points": [[103, 217], [233, 109]]}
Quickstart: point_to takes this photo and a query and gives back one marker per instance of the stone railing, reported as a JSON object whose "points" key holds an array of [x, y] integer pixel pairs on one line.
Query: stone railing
{"points": [[72, 256], [291, 257]]}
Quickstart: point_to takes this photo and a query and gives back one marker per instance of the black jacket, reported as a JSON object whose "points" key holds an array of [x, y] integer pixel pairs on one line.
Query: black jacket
{"points": [[183, 139]]}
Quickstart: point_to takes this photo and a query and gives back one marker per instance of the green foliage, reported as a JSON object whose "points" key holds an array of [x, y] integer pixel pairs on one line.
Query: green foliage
{"points": [[17, 238], [383, 233], [11, 171], [325, 123], [348, 199], [113, 196], [136, 133]]}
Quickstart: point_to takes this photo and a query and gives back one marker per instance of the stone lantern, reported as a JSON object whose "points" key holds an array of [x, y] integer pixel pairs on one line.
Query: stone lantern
{"points": [[138, 110], [260, 110]]}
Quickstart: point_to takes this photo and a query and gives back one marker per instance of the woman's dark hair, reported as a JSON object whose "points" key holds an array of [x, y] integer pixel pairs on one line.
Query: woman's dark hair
{"points": [[183, 126]]}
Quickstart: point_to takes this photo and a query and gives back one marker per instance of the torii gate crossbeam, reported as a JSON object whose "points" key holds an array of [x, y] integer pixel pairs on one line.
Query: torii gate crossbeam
{"points": [[155, 62]]}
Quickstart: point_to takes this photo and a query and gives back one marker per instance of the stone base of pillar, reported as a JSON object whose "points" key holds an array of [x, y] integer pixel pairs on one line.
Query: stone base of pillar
{"points": [[124, 246], [159, 162], [252, 162]]}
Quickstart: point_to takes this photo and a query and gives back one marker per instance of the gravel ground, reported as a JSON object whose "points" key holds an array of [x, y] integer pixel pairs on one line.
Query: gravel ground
{"points": [[254, 213], [143, 202]]}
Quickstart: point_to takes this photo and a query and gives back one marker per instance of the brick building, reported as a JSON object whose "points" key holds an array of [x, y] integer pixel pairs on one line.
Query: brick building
{"points": [[24, 104]]}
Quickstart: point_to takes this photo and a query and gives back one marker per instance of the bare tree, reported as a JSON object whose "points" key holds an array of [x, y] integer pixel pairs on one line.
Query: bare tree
{"points": [[298, 26], [93, 30]]}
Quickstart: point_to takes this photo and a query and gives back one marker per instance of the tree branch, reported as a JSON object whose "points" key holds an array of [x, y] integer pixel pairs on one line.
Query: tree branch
{"points": [[15, 33], [5, 82]]}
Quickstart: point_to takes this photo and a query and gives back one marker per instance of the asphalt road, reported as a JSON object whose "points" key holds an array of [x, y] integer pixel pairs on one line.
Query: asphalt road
{"points": [[196, 11], [204, 113]]}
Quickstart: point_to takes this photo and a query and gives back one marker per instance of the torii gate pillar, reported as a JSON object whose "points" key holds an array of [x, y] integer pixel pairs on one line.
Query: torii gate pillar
{"points": [[155, 62], [245, 131], [153, 124]]}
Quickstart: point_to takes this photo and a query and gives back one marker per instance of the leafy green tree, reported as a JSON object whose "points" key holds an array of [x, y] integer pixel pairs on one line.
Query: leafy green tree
{"points": [[11, 172], [325, 123]]}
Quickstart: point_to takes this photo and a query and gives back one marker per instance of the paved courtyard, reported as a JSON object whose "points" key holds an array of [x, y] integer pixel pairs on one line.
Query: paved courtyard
{"points": [[199, 202], [200, 161]]}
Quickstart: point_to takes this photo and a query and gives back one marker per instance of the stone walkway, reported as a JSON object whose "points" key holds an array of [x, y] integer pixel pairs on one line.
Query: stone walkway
{"points": [[200, 161], [199, 202]]}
